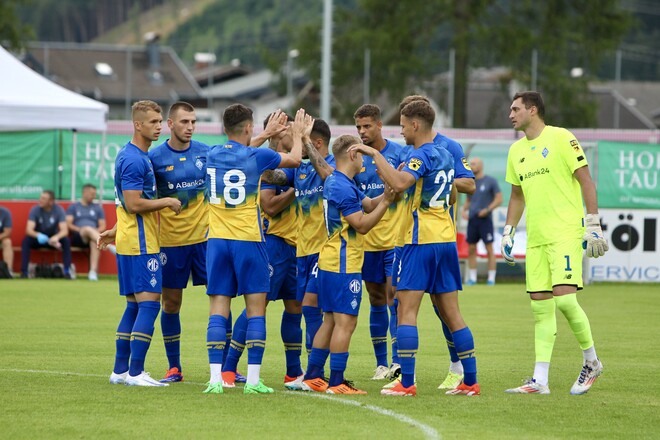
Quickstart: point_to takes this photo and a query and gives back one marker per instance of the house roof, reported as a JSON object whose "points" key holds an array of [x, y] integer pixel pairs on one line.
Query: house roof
{"points": [[74, 66]]}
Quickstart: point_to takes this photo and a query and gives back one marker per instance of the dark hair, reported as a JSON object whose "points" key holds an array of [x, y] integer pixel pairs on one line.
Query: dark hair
{"points": [[88, 185], [50, 193], [341, 144], [180, 105], [532, 99], [421, 110], [322, 130], [289, 118], [235, 117], [408, 99], [368, 111]]}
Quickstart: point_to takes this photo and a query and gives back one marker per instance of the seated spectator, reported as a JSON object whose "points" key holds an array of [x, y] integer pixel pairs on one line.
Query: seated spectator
{"points": [[46, 227], [5, 238], [86, 220]]}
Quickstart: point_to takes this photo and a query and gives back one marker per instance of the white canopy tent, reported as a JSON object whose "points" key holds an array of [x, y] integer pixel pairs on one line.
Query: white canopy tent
{"points": [[28, 101]]}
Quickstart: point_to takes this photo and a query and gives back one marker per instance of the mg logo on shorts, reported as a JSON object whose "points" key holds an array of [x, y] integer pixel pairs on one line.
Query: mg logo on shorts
{"points": [[152, 264], [163, 258], [355, 286]]}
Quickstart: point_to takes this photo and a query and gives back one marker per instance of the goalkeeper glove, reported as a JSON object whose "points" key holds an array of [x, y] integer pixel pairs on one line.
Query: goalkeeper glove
{"points": [[594, 242], [507, 244], [42, 238]]}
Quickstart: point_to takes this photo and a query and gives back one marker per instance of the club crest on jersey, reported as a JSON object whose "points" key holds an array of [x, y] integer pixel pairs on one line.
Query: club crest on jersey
{"points": [[355, 286], [199, 164], [169, 168], [466, 164], [545, 152], [152, 264], [414, 164], [302, 176], [170, 185]]}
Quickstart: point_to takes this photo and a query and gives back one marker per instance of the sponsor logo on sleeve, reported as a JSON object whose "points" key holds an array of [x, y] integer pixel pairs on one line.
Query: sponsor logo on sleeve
{"points": [[414, 164]]}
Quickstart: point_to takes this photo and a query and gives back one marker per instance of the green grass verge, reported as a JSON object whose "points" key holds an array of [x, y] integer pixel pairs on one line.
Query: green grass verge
{"points": [[57, 351]]}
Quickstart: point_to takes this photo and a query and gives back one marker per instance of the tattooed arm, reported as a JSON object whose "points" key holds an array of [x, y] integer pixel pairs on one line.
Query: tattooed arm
{"points": [[275, 177], [315, 158]]}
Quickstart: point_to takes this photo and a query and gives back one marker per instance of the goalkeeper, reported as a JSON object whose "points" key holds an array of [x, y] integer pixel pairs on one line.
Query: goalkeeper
{"points": [[549, 176]]}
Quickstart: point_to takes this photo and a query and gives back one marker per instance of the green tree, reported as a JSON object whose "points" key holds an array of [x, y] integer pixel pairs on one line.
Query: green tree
{"points": [[12, 30]]}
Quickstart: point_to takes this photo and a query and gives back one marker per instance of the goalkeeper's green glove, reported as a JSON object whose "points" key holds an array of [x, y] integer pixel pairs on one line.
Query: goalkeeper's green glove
{"points": [[594, 242], [507, 244]]}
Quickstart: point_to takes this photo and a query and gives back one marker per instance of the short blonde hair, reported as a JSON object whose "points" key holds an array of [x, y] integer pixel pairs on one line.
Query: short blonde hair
{"points": [[342, 143], [141, 107]]}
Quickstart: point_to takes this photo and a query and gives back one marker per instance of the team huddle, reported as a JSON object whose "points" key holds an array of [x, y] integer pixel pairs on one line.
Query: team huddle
{"points": [[264, 224]]}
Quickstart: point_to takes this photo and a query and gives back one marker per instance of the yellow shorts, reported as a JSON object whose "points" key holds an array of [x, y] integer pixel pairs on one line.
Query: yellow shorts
{"points": [[554, 264]]}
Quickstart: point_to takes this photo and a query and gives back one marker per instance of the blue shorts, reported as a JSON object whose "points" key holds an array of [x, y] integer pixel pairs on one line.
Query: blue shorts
{"points": [[236, 267], [139, 273], [396, 265], [281, 267], [432, 268], [377, 266], [308, 268], [480, 229], [340, 292], [179, 262]]}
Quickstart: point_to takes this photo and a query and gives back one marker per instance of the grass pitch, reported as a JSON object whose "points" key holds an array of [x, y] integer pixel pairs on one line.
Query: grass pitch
{"points": [[57, 351]]}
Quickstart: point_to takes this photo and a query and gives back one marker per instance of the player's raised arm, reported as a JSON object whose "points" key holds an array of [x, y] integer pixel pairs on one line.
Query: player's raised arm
{"points": [[277, 123], [312, 147], [294, 158]]}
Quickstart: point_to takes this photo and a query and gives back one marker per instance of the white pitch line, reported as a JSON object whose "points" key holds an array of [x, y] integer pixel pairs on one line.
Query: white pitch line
{"points": [[429, 432]]}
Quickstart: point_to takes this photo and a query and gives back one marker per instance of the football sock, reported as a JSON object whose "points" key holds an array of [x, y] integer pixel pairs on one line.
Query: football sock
{"points": [[338, 363], [143, 330], [170, 324], [590, 354], [378, 323], [216, 373], [313, 321], [291, 332], [577, 319], [541, 370], [473, 275], [123, 337], [393, 321], [316, 363], [237, 344], [215, 340], [491, 275], [465, 349], [545, 328], [408, 340], [255, 341], [449, 339], [228, 340]]}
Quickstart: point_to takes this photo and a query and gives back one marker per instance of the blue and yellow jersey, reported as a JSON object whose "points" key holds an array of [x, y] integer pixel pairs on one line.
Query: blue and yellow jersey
{"points": [[343, 251], [461, 165], [544, 169], [234, 173], [402, 205], [309, 202], [137, 234], [284, 224], [427, 215], [182, 175], [382, 236]]}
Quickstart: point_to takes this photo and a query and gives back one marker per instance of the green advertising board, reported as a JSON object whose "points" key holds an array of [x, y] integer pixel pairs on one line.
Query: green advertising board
{"points": [[628, 175], [38, 160]]}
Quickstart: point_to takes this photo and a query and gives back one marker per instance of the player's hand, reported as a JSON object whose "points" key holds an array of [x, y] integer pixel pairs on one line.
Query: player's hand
{"points": [[277, 123], [507, 244], [361, 148], [594, 241], [174, 205], [42, 238], [483, 213], [299, 126], [54, 242], [389, 195], [106, 238]]}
